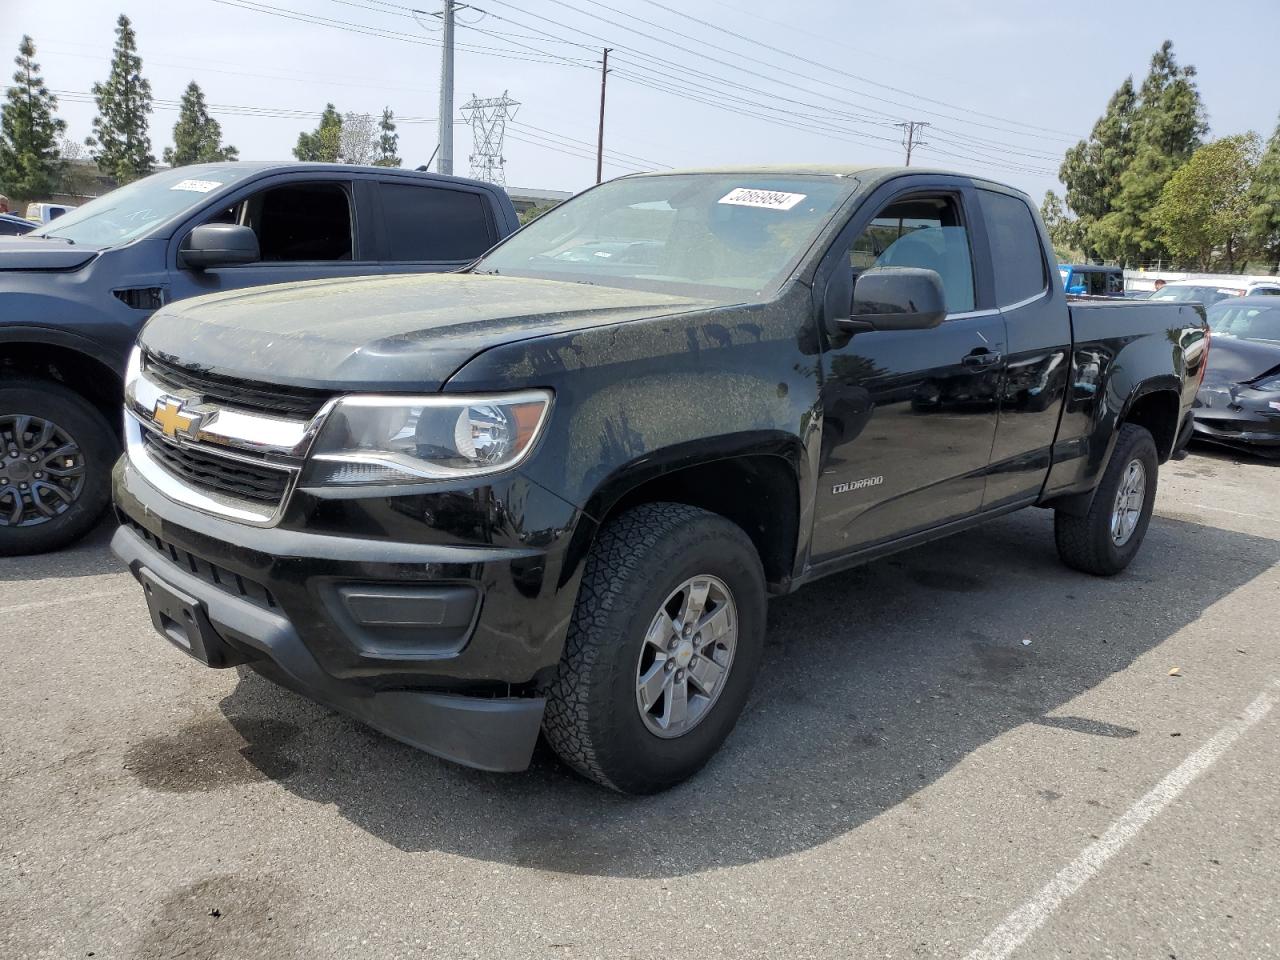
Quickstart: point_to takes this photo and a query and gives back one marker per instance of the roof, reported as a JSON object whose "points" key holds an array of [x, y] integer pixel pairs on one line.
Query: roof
{"points": [[307, 167], [792, 169]]}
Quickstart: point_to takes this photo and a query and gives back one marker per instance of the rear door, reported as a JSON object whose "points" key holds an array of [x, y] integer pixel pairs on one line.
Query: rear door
{"points": [[909, 415], [1038, 337], [428, 227]]}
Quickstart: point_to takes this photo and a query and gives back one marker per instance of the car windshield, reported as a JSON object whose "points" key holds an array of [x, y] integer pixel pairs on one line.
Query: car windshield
{"points": [[720, 234], [129, 212], [1205, 295], [1245, 320]]}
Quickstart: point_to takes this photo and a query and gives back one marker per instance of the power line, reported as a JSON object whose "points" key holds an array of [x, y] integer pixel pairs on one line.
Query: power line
{"points": [[858, 77]]}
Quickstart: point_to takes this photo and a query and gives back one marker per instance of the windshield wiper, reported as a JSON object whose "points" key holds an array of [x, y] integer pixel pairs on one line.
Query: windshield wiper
{"points": [[54, 236]]}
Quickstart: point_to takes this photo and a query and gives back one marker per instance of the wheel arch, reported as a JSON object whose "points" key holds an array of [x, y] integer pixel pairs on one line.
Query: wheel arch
{"points": [[752, 481], [66, 361]]}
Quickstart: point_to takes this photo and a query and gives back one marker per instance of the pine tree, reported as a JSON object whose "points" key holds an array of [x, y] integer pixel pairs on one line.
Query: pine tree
{"points": [[1091, 169], [1264, 205], [120, 145], [324, 144], [388, 141], [1168, 127], [30, 161], [197, 137]]}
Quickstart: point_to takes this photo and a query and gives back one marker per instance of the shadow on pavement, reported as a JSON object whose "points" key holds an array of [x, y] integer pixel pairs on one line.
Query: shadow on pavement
{"points": [[88, 557], [875, 683]]}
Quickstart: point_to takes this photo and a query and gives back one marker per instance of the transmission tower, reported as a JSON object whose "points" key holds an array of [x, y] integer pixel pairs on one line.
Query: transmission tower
{"points": [[488, 119], [911, 130]]}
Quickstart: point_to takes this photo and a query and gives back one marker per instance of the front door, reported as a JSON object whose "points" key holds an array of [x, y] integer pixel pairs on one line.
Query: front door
{"points": [[909, 416], [306, 231]]}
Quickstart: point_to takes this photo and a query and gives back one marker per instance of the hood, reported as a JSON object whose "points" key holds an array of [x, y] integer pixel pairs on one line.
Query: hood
{"points": [[40, 253], [406, 331], [1235, 360]]}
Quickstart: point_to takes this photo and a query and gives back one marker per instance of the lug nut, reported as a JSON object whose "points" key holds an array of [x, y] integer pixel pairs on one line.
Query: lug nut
{"points": [[33, 458], [39, 475], [679, 675], [22, 486], [671, 644], [688, 630], [671, 665], [693, 661]]}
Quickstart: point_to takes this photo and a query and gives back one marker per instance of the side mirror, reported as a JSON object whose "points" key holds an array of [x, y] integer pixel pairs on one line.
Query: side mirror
{"points": [[898, 298], [218, 245]]}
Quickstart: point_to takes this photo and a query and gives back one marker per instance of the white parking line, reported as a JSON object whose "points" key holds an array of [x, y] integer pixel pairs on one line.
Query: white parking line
{"points": [[75, 598], [1024, 921]]}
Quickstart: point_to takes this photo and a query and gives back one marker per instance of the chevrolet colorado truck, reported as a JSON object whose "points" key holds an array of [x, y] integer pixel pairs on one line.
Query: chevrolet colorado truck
{"points": [[552, 492], [75, 293]]}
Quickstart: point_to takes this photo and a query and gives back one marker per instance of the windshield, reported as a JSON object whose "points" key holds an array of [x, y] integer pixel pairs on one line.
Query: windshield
{"points": [[1243, 320], [734, 232], [129, 212]]}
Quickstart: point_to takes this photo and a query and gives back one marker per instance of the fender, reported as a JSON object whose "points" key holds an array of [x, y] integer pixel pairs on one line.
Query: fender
{"points": [[53, 336]]}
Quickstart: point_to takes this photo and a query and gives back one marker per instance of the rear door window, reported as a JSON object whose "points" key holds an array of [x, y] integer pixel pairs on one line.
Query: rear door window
{"points": [[1017, 258], [433, 223]]}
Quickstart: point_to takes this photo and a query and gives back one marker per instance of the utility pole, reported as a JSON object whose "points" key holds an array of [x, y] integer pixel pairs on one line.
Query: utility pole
{"points": [[446, 89], [910, 139], [604, 74]]}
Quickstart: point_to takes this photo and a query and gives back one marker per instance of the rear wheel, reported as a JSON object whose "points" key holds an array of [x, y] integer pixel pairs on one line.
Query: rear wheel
{"points": [[56, 452], [1107, 538], [662, 649]]}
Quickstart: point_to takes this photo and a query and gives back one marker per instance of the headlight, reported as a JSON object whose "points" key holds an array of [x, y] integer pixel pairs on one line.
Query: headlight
{"points": [[412, 439]]}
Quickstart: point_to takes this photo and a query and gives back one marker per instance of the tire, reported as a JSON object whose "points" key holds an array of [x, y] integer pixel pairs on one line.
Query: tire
{"points": [[594, 718], [1089, 543], [81, 476]]}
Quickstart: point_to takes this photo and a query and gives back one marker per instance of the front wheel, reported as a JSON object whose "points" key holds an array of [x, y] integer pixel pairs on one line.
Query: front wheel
{"points": [[56, 452], [1107, 538], [662, 650]]}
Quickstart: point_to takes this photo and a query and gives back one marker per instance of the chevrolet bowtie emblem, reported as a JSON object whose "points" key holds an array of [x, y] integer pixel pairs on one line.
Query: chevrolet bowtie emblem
{"points": [[169, 417]]}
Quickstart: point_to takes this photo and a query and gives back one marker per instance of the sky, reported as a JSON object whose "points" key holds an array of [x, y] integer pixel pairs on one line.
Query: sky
{"points": [[1006, 85]]}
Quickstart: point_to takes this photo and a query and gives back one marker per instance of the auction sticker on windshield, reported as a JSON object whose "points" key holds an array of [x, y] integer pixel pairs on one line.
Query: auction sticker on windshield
{"points": [[770, 199], [196, 186]]}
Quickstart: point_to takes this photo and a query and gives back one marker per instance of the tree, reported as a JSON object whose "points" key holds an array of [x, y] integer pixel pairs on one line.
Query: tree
{"points": [[1203, 211], [1091, 169], [388, 141], [1065, 231], [30, 161], [1264, 204], [324, 143], [358, 142], [197, 137], [1168, 127], [120, 145]]}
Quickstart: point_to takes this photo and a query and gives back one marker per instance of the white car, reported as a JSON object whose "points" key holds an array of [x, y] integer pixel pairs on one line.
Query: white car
{"points": [[1209, 291]]}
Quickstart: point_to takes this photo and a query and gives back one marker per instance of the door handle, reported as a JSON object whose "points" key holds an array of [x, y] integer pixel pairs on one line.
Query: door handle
{"points": [[982, 358]]}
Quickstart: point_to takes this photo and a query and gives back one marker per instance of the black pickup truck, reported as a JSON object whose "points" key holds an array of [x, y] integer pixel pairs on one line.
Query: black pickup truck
{"points": [[75, 293], [553, 491]]}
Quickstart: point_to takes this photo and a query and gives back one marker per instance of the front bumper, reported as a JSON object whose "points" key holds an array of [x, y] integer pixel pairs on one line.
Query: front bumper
{"points": [[1237, 419], [435, 644]]}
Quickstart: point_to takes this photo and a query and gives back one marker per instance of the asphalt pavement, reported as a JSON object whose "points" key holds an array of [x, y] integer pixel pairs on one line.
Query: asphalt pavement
{"points": [[962, 751]]}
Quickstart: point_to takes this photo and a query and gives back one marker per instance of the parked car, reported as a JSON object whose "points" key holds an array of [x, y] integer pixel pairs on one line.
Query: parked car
{"points": [[76, 292], [1092, 280], [1239, 403], [11, 226], [39, 213], [1210, 292], [554, 492]]}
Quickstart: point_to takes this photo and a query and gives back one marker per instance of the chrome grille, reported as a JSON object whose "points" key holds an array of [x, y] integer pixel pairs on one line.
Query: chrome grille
{"points": [[219, 390], [214, 472]]}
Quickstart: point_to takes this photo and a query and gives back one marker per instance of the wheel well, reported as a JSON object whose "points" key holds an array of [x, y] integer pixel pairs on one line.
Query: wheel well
{"points": [[1158, 413], [758, 493], [92, 379]]}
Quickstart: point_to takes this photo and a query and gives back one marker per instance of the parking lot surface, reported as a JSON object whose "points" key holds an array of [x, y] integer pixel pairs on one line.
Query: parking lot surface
{"points": [[963, 751]]}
